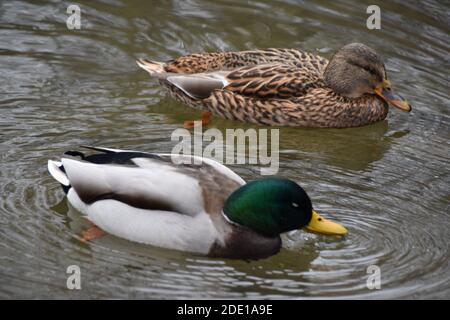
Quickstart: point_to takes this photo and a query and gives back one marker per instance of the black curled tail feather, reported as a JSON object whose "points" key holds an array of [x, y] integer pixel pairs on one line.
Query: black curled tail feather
{"points": [[75, 154]]}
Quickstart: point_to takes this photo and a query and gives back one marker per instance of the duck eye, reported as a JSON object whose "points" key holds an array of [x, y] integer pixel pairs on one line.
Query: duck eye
{"points": [[295, 204], [320, 219]]}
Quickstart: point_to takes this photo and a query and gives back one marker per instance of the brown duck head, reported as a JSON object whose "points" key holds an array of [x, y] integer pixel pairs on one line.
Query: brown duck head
{"points": [[356, 70]]}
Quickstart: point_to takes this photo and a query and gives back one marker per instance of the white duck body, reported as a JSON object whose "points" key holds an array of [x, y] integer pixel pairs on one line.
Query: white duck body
{"points": [[147, 198]]}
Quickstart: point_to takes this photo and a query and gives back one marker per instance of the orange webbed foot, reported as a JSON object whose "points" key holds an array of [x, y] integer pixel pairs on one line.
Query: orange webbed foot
{"points": [[206, 118], [92, 233]]}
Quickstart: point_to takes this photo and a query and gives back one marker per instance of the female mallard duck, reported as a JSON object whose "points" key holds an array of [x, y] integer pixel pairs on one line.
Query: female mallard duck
{"points": [[206, 208], [286, 87]]}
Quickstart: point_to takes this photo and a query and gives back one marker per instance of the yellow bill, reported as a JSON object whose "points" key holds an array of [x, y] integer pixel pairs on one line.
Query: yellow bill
{"points": [[319, 224]]}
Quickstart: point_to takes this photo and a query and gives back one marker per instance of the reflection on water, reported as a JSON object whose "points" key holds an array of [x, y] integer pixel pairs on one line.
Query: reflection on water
{"points": [[388, 182]]}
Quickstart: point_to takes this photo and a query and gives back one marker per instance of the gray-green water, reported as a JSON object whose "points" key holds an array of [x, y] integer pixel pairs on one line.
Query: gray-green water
{"points": [[388, 182]]}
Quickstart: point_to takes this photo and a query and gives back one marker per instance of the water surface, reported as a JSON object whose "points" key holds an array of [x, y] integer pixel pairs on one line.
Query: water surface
{"points": [[388, 182]]}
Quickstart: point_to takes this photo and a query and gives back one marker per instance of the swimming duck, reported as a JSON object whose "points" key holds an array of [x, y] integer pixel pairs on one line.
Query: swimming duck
{"points": [[186, 203], [282, 87]]}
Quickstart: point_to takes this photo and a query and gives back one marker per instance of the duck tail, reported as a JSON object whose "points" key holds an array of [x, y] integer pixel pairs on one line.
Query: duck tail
{"points": [[56, 170], [154, 68]]}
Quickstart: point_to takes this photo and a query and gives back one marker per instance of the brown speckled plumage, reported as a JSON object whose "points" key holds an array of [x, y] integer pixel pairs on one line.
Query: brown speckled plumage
{"points": [[206, 62], [320, 107], [280, 87]]}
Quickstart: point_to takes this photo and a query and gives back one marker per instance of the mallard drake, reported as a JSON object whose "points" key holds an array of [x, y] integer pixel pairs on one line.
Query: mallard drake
{"points": [[206, 208], [283, 87]]}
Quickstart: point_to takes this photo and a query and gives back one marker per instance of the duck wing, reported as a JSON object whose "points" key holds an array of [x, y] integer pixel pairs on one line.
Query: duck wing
{"points": [[265, 81], [146, 180], [150, 198], [272, 81], [270, 73], [207, 62]]}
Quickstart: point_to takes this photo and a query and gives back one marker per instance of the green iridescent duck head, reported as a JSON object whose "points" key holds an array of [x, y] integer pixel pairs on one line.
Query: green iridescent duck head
{"points": [[356, 70], [273, 206]]}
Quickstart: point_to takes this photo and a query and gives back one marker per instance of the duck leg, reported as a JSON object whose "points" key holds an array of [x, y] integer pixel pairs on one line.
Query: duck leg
{"points": [[91, 233], [206, 118]]}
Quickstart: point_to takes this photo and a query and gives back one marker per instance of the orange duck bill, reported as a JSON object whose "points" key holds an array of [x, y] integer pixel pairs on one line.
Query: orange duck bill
{"points": [[385, 92]]}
